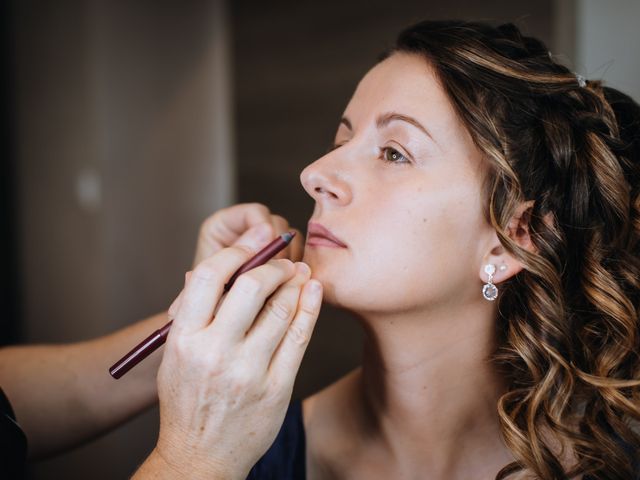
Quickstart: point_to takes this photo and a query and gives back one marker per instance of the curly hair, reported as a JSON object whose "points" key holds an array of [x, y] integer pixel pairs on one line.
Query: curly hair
{"points": [[568, 328]]}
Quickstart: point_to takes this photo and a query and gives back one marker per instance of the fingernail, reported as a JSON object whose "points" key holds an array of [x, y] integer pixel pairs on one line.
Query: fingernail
{"points": [[316, 287], [302, 268]]}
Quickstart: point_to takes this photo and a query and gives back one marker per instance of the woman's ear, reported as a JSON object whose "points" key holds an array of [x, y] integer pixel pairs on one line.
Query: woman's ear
{"points": [[506, 266]]}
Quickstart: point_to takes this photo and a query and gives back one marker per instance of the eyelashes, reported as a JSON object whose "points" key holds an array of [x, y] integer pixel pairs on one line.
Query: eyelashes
{"points": [[391, 155], [387, 154]]}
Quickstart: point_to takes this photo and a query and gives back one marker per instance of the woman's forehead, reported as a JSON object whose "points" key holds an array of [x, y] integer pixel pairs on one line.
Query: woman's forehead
{"points": [[405, 83]]}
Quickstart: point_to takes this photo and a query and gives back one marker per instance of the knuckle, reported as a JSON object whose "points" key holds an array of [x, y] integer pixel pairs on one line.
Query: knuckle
{"points": [[213, 365], [279, 309], [205, 271], [297, 335], [282, 263], [182, 347], [241, 251], [242, 381], [193, 355], [249, 284], [260, 207], [280, 219], [179, 342], [256, 209], [241, 378], [209, 222], [307, 310]]}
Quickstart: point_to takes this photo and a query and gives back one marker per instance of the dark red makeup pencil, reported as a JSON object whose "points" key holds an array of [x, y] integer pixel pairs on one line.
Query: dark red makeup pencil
{"points": [[157, 338]]}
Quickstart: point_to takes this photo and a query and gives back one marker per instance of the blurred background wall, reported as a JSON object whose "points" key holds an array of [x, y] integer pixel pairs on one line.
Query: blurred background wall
{"points": [[123, 144], [129, 122], [607, 41]]}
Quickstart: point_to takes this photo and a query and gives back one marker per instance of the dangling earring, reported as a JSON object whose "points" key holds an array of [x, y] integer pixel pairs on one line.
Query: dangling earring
{"points": [[490, 291]]}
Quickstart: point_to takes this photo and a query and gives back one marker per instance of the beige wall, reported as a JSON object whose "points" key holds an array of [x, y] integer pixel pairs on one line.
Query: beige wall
{"points": [[607, 42], [124, 146]]}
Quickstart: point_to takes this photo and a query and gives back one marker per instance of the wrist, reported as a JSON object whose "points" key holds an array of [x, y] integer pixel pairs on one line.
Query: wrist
{"points": [[159, 466]]}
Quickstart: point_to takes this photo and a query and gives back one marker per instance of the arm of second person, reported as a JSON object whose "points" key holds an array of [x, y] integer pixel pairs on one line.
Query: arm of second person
{"points": [[63, 395]]}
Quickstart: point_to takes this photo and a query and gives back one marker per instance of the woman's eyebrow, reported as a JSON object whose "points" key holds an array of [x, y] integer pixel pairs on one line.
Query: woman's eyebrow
{"points": [[386, 118]]}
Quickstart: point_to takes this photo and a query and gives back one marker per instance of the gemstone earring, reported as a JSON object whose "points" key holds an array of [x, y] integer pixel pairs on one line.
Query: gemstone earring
{"points": [[490, 291]]}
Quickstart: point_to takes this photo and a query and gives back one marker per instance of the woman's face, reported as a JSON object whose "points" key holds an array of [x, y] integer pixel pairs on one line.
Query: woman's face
{"points": [[402, 191]]}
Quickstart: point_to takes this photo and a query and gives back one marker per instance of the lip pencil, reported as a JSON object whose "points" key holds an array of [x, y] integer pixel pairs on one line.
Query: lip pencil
{"points": [[157, 338]]}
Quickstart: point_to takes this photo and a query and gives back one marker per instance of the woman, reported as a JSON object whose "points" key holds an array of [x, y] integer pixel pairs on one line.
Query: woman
{"points": [[485, 212]]}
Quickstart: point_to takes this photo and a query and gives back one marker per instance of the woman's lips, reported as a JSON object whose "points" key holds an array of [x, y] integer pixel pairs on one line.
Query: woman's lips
{"points": [[318, 235], [322, 242]]}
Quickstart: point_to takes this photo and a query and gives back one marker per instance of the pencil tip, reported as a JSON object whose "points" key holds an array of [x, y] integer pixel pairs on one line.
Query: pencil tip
{"points": [[288, 236]]}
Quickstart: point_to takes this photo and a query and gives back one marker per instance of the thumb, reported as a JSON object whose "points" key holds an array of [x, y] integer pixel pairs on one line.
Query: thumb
{"points": [[256, 237]]}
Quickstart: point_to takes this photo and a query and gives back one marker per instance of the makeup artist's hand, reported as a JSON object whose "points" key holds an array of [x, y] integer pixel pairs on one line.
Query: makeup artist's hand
{"points": [[225, 385], [251, 223]]}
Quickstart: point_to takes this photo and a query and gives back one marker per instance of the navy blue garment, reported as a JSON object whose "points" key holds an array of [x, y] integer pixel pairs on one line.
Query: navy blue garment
{"points": [[285, 459], [13, 443]]}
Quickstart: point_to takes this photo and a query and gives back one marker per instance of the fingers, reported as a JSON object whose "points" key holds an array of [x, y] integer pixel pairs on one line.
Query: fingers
{"points": [[256, 237], [205, 287], [261, 234], [250, 224], [288, 356], [224, 227], [228, 224], [247, 297], [274, 319], [175, 305]]}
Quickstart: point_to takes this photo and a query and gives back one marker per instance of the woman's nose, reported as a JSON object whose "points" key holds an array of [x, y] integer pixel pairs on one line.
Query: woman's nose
{"points": [[324, 183]]}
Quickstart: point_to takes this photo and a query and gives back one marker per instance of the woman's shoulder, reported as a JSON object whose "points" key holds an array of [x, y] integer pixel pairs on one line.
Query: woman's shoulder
{"points": [[328, 408], [330, 422]]}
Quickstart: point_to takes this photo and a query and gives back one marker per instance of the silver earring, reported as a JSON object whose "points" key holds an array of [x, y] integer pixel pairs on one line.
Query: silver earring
{"points": [[490, 291]]}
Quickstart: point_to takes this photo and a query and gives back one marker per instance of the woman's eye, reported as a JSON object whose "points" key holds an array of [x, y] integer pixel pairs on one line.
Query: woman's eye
{"points": [[392, 155]]}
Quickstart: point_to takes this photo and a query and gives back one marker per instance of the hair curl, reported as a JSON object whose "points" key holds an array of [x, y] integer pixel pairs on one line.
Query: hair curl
{"points": [[568, 326]]}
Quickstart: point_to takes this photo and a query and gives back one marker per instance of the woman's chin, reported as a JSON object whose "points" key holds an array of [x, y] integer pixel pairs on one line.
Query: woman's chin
{"points": [[334, 292], [329, 287], [336, 285]]}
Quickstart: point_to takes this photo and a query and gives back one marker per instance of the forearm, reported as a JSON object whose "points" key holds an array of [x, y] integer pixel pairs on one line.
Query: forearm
{"points": [[63, 394]]}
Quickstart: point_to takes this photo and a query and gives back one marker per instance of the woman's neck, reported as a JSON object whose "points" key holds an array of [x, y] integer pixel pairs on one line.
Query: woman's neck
{"points": [[429, 392]]}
